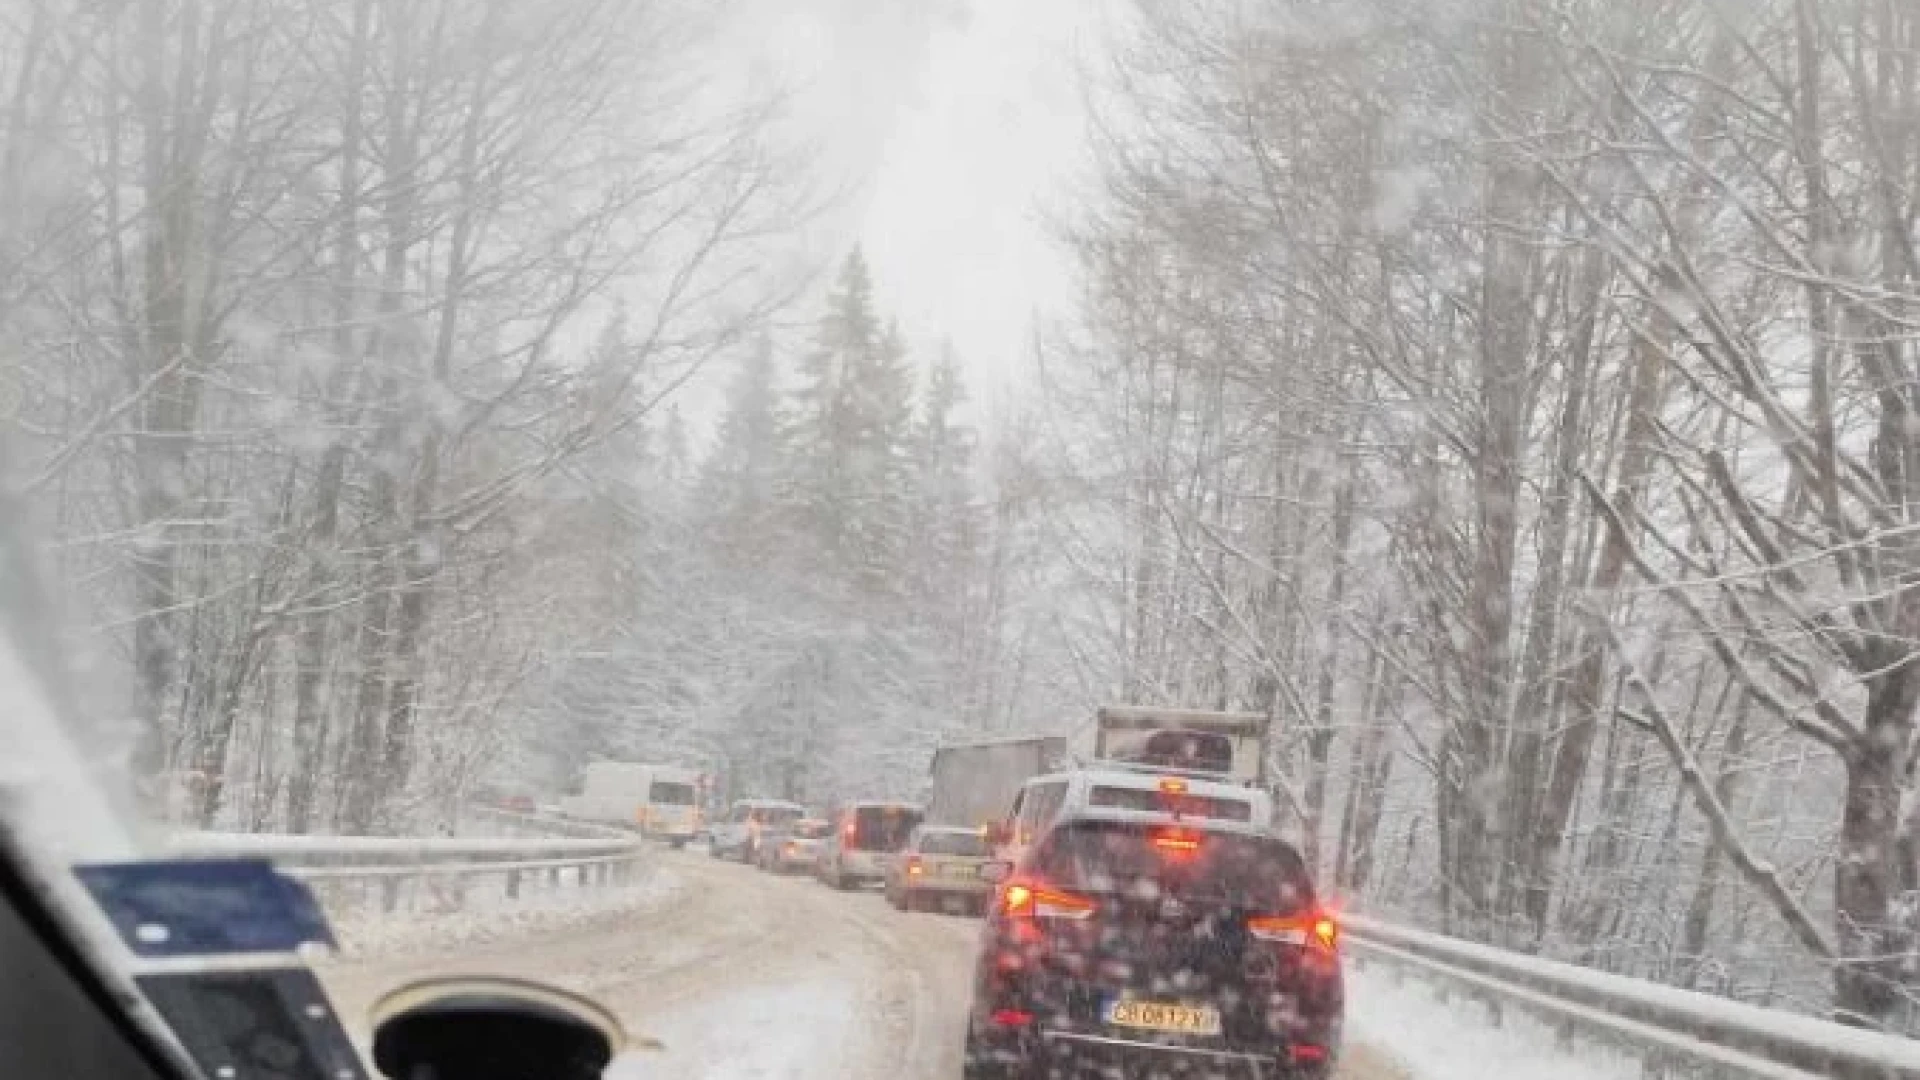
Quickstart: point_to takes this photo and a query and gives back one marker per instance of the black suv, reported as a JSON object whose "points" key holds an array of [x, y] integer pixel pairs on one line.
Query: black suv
{"points": [[1122, 946]]}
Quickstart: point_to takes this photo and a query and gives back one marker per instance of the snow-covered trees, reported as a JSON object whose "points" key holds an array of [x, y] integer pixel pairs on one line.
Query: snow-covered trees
{"points": [[845, 502], [296, 302], [1527, 396]]}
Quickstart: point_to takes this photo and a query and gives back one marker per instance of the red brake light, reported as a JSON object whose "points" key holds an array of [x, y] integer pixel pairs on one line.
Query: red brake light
{"points": [[1176, 843], [1303, 1052], [1037, 902], [1012, 1017]]}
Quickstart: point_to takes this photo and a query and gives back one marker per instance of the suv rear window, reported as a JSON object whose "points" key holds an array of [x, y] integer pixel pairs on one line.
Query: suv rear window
{"points": [[1256, 872], [668, 793], [1121, 798], [883, 828], [953, 843]]}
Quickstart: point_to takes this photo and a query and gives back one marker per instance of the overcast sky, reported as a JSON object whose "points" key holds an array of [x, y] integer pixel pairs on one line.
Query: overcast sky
{"points": [[993, 135], [949, 124]]}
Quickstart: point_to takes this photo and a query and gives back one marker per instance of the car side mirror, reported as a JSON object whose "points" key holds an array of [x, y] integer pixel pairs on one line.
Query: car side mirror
{"points": [[995, 872], [492, 1029]]}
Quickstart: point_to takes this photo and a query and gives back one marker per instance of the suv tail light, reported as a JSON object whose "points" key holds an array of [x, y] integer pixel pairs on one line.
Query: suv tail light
{"points": [[1027, 900], [1316, 929], [914, 869]]}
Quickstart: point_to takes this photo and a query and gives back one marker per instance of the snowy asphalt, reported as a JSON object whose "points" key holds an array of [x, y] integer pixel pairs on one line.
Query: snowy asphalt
{"points": [[747, 976]]}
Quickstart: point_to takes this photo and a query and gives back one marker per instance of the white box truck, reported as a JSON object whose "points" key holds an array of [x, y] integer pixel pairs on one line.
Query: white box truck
{"points": [[660, 801], [974, 783]]}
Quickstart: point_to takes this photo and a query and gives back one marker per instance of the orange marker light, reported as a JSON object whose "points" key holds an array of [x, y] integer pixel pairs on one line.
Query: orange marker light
{"points": [[1326, 932], [1172, 785]]}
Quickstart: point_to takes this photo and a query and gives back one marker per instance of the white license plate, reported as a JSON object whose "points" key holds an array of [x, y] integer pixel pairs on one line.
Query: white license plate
{"points": [[957, 870], [1164, 1016]]}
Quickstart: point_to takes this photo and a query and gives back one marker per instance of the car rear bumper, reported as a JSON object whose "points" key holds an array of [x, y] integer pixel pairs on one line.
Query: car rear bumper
{"points": [[1059, 1053], [864, 865], [947, 887]]}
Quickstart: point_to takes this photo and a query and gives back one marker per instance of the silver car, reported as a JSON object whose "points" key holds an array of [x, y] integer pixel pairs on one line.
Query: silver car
{"points": [[738, 837], [793, 847], [865, 838], [941, 868]]}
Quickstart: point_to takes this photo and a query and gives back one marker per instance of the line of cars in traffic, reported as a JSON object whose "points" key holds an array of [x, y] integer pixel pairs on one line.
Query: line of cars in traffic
{"points": [[1142, 915], [917, 865]]}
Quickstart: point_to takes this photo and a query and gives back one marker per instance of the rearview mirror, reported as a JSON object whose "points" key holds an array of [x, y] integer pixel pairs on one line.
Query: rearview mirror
{"points": [[492, 1029], [995, 872]]}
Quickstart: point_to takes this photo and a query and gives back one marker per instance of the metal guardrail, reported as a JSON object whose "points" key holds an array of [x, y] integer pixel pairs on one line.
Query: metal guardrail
{"points": [[544, 824], [1675, 1032], [393, 862]]}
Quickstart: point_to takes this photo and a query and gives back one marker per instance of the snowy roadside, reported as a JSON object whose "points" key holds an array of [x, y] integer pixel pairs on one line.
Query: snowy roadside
{"points": [[795, 1031], [1455, 1040], [486, 916]]}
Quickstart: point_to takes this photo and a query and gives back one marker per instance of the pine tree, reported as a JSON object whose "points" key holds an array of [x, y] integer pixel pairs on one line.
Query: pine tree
{"points": [[741, 482], [852, 421], [882, 490], [946, 530]]}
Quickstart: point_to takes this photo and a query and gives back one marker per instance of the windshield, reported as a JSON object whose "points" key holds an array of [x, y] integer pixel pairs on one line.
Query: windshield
{"points": [[1260, 873], [671, 794], [953, 843], [501, 464], [1156, 801], [882, 828]]}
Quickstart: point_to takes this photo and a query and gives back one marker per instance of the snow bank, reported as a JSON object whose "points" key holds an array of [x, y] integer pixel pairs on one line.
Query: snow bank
{"points": [[1455, 1040], [796, 1031]]}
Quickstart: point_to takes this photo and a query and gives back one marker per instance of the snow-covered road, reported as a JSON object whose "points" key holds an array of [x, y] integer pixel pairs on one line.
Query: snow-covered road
{"points": [[745, 976]]}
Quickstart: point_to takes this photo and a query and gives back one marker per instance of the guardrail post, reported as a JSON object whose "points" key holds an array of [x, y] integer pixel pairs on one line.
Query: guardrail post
{"points": [[513, 884], [389, 893]]}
